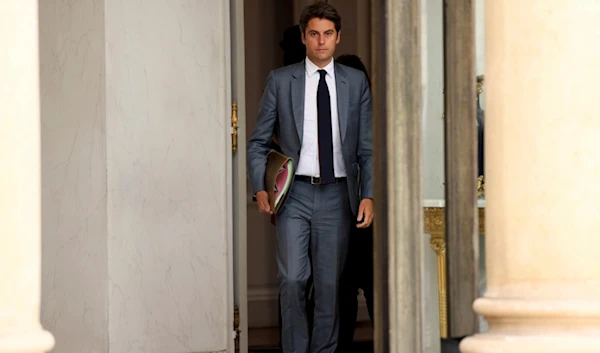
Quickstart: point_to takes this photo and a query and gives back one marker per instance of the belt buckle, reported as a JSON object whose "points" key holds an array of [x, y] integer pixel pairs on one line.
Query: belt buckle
{"points": [[313, 182]]}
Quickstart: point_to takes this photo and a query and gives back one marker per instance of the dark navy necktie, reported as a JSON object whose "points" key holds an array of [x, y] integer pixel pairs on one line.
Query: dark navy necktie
{"points": [[325, 139]]}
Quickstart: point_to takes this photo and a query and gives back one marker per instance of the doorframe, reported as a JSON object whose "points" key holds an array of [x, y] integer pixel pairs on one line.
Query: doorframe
{"points": [[239, 176], [381, 240], [398, 231], [460, 164], [230, 202]]}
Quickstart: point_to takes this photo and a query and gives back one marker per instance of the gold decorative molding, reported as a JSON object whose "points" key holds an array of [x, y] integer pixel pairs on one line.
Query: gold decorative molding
{"points": [[439, 246], [234, 126], [435, 221], [481, 187], [435, 224], [480, 82]]}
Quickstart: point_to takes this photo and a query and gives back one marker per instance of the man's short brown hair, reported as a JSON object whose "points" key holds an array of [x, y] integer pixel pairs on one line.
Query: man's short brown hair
{"points": [[320, 10]]}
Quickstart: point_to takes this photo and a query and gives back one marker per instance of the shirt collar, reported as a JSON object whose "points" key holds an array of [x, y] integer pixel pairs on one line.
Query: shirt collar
{"points": [[311, 68]]}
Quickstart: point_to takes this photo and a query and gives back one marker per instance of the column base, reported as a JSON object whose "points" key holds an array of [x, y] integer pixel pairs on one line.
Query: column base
{"points": [[541, 343], [33, 342], [536, 326]]}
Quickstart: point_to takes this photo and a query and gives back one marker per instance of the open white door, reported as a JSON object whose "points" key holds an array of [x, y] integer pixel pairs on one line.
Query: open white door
{"points": [[240, 282]]}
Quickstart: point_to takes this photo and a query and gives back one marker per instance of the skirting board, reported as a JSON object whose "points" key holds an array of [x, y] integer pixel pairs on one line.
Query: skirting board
{"points": [[263, 311]]}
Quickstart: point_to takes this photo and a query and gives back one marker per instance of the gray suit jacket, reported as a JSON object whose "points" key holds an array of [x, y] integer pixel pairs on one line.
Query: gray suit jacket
{"points": [[281, 111]]}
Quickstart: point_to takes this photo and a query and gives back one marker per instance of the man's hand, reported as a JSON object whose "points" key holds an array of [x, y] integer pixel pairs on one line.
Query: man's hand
{"points": [[262, 197], [365, 213]]}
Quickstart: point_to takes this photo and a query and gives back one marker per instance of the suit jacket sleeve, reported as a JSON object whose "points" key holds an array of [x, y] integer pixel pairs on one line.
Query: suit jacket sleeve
{"points": [[365, 137], [260, 142]]}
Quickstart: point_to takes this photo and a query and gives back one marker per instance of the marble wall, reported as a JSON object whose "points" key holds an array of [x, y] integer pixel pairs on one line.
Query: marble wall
{"points": [[166, 114], [135, 112], [74, 216]]}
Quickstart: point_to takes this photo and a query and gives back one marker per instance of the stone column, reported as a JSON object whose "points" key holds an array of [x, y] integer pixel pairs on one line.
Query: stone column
{"points": [[398, 242], [20, 218], [542, 173]]}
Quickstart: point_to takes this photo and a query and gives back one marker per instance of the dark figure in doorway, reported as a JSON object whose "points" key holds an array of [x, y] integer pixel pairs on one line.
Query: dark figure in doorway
{"points": [[358, 270], [480, 127], [294, 51]]}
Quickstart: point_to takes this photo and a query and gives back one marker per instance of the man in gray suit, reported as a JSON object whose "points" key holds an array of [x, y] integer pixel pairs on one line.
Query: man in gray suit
{"points": [[321, 113]]}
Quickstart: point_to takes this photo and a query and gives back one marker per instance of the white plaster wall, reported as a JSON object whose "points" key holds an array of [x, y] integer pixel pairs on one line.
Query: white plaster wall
{"points": [[433, 105]]}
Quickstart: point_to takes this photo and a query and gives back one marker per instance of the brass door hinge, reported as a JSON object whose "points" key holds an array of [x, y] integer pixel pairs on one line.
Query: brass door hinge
{"points": [[234, 125], [236, 326]]}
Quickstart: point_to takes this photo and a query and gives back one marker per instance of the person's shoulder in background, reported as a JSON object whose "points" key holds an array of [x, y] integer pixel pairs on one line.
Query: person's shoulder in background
{"points": [[353, 66]]}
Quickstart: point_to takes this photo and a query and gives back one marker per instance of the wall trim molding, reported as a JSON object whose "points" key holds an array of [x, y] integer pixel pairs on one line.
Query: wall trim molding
{"points": [[263, 311], [263, 293]]}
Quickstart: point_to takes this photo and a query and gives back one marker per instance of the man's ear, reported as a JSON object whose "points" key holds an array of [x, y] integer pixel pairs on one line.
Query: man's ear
{"points": [[303, 38], [339, 37]]}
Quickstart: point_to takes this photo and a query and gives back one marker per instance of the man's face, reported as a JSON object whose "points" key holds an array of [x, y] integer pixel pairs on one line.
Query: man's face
{"points": [[320, 39]]}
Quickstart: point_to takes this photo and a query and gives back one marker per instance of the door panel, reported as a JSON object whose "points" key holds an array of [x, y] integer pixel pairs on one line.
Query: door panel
{"points": [[238, 89]]}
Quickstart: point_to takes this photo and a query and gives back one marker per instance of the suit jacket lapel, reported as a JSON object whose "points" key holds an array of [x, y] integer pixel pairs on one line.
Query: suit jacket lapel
{"points": [[343, 98], [297, 92]]}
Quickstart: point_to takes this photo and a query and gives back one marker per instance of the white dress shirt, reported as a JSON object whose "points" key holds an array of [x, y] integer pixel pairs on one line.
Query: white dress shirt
{"points": [[309, 152]]}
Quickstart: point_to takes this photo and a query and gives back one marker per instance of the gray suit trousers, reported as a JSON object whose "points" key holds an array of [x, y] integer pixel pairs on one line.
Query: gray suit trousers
{"points": [[315, 218]]}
